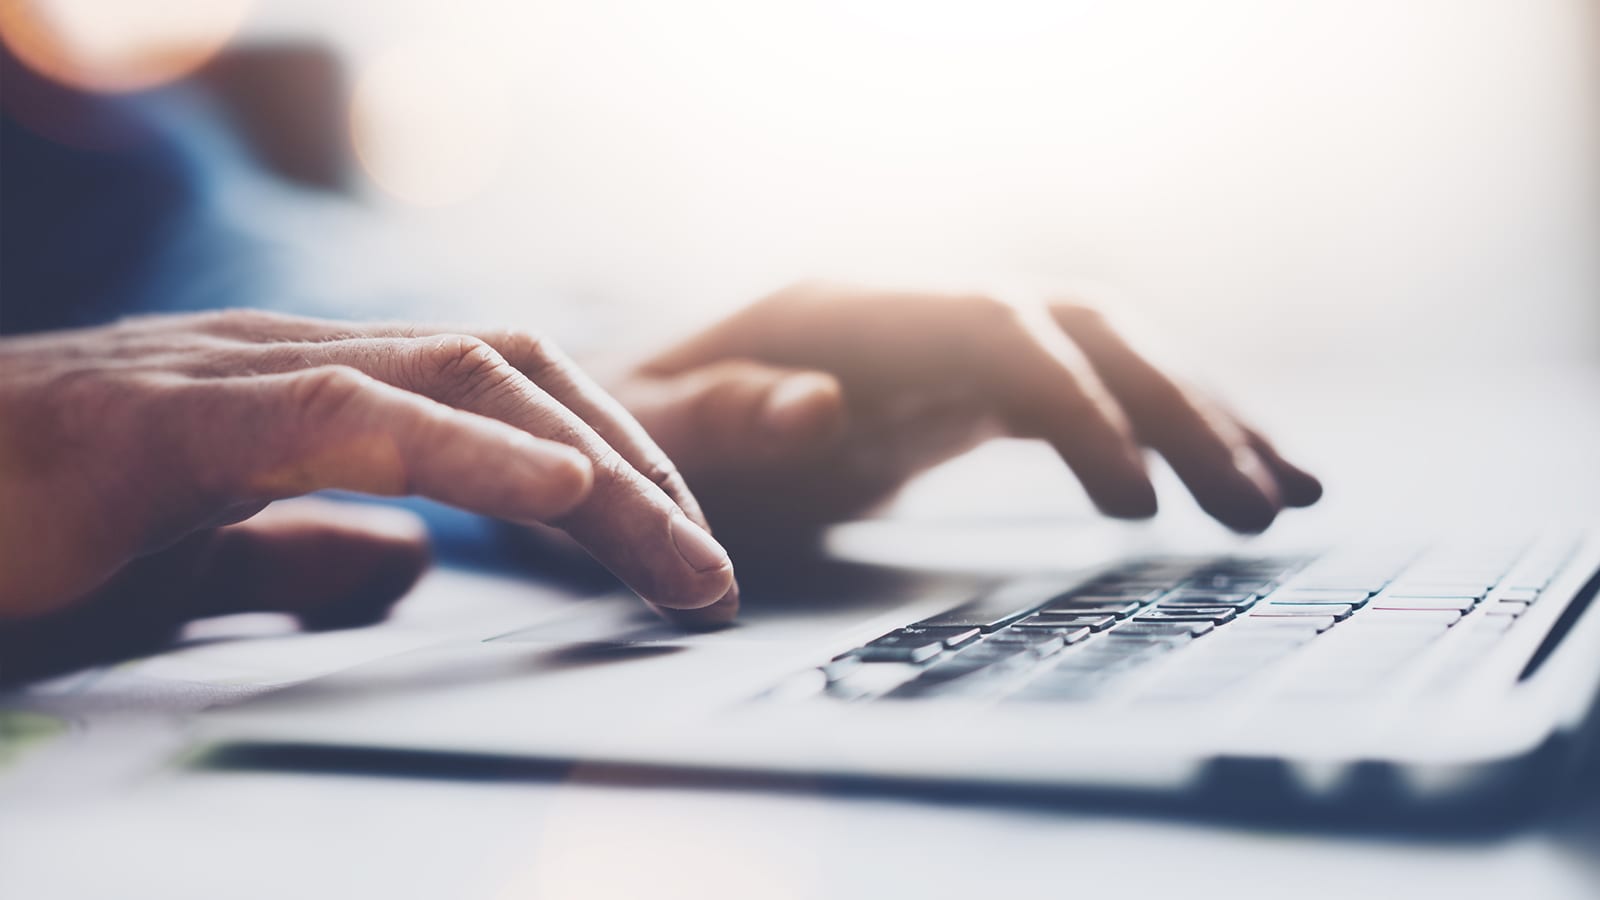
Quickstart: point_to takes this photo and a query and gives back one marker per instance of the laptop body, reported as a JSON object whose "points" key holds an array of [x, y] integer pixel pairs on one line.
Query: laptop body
{"points": [[1463, 679]]}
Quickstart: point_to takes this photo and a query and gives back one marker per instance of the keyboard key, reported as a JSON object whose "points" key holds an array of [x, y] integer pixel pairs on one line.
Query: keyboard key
{"points": [[1228, 584], [1034, 637], [1516, 595], [1458, 604], [1340, 612], [1068, 632], [1159, 630], [1092, 608], [913, 645], [1317, 607], [1251, 623], [1353, 598], [986, 654], [1215, 614], [1204, 603], [1210, 598], [1506, 608], [915, 653], [1051, 619], [1409, 617], [1411, 589], [1137, 593], [950, 637], [871, 681], [1280, 619]]}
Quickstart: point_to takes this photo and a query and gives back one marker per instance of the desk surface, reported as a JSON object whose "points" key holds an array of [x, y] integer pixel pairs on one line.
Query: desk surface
{"points": [[101, 800]]}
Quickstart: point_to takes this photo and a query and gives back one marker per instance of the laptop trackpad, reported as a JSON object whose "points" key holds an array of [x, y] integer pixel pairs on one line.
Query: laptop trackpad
{"points": [[603, 623]]}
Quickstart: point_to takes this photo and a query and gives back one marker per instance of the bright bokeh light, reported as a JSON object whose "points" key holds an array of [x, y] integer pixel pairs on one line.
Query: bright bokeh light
{"points": [[118, 45], [431, 122]]}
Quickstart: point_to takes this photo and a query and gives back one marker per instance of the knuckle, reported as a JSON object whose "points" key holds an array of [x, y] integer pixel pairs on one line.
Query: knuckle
{"points": [[660, 471], [462, 363], [535, 354], [324, 393]]}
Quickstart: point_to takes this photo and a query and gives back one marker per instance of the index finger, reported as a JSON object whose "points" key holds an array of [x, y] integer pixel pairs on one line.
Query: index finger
{"points": [[1206, 448], [1049, 390]]}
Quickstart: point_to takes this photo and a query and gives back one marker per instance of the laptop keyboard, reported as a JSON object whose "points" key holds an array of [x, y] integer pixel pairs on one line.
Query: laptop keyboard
{"points": [[1193, 629]]}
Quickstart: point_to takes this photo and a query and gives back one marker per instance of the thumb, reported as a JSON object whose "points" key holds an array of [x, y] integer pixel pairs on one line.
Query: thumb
{"points": [[740, 414], [330, 564]]}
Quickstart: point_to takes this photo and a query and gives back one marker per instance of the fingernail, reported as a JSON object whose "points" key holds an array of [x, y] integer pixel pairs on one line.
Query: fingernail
{"points": [[792, 401], [698, 549]]}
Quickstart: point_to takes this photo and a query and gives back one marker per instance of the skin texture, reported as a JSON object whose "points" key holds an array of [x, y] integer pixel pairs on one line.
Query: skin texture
{"points": [[136, 460], [133, 458], [819, 401]]}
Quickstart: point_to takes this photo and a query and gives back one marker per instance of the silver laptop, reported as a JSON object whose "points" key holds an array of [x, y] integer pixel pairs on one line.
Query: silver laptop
{"points": [[1396, 677]]}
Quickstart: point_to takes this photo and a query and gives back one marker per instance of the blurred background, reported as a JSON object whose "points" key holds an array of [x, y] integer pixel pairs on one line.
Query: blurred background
{"points": [[1376, 225], [1273, 182]]}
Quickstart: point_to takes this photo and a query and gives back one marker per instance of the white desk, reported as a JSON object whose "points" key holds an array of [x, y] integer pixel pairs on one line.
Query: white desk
{"points": [[110, 811]]}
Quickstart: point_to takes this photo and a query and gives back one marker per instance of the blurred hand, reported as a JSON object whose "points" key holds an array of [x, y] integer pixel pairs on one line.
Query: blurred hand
{"points": [[126, 450], [819, 401]]}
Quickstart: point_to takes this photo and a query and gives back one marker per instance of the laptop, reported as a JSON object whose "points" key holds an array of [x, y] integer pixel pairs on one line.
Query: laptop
{"points": [[1388, 678]]}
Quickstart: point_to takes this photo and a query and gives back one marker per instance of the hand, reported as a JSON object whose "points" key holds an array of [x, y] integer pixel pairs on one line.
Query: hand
{"points": [[819, 401], [125, 449]]}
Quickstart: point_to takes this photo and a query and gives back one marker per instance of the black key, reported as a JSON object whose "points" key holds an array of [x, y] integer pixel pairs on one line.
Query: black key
{"points": [[1092, 607], [1217, 615], [986, 614], [950, 637], [1139, 593], [1025, 636], [913, 645], [973, 669]]}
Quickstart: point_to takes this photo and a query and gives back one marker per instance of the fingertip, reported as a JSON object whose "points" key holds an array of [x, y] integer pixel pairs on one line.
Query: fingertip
{"points": [[1251, 516], [1134, 500], [1300, 488], [804, 405], [707, 618]]}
